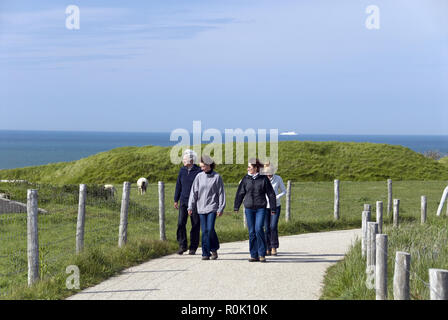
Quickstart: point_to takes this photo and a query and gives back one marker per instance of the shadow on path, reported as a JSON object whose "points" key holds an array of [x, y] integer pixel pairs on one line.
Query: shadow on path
{"points": [[116, 291], [149, 271]]}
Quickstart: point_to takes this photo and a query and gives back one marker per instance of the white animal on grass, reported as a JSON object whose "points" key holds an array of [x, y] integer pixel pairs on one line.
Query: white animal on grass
{"points": [[111, 189], [142, 184]]}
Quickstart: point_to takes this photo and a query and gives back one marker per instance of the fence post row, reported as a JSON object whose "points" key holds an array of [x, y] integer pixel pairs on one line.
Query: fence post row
{"points": [[374, 243], [389, 196], [32, 236], [162, 210], [365, 220], [401, 276], [288, 201], [424, 207], [123, 229], [396, 212], [372, 230], [381, 267], [81, 218], [438, 284], [336, 199], [442, 202], [367, 207], [379, 216]]}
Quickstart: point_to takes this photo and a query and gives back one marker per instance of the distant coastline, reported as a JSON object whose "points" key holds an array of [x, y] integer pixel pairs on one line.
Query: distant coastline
{"points": [[29, 148]]}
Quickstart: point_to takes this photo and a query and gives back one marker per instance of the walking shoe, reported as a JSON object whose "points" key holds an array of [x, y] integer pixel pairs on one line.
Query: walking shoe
{"points": [[192, 252], [268, 252], [205, 258], [262, 259], [181, 251], [274, 251], [214, 255], [254, 259]]}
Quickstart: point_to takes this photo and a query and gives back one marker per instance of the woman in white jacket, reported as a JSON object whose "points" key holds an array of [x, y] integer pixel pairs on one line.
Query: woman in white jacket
{"points": [[271, 220]]}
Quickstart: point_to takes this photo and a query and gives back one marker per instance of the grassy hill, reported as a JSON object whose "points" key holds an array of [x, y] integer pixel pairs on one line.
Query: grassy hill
{"points": [[298, 161]]}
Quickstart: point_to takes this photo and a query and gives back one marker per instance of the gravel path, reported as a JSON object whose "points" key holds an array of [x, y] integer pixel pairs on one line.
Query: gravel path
{"points": [[296, 273]]}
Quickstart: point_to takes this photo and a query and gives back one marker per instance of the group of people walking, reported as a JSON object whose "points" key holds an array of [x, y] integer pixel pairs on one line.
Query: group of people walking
{"points": [[202, 197]]}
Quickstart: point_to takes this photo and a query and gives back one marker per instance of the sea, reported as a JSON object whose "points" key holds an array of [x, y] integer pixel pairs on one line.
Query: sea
{"points": [[30, 148]]}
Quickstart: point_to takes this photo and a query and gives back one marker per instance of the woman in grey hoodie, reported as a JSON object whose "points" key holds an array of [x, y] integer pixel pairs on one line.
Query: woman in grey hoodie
{"points": [[207, 194]]}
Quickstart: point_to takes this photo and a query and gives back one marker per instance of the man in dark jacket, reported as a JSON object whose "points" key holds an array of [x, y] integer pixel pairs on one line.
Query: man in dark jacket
{"points": [[185, 179]]}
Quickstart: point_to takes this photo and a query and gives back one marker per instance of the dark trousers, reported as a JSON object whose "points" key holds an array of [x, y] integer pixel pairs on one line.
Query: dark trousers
{"points": [[210, 241], [271, 226], [255, 223], [182, 228]]}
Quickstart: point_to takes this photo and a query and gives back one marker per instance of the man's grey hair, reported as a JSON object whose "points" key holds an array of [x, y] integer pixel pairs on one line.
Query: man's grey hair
{"points": [[190, 155]]}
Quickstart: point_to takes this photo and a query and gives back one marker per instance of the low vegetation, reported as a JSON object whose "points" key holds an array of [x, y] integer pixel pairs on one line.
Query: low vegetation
{"points": [[427, 244], [311, 211]]}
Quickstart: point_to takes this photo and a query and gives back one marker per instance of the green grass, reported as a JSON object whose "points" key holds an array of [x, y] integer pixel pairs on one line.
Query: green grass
{"points": [[298, 161], [311, 211], [427, 244], [444, 161]]}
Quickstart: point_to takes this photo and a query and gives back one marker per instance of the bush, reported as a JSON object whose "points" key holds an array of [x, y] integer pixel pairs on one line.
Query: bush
{"points": [[433, 154]]}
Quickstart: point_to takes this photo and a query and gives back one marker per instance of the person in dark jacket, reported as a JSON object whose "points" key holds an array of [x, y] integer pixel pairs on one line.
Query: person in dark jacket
{"points": [[253, 189], [185, 179]]}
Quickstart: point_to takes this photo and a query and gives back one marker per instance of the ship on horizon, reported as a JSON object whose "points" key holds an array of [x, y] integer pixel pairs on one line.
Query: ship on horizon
{"points": [[288, 133]]}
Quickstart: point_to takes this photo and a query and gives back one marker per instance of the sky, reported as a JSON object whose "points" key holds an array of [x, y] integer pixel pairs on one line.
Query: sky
{"points": [[147, 66]]}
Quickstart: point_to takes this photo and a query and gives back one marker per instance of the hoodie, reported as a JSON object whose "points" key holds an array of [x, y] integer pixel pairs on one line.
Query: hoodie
{"points": [[207, 193]]}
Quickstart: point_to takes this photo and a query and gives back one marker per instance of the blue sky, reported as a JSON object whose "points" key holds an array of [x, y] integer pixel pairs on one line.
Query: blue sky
{"points": [[308, 66]]}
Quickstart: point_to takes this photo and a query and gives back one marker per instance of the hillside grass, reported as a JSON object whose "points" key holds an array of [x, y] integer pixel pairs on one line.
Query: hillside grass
{"points": [[298, 161], [444, 161], [311, 211]]}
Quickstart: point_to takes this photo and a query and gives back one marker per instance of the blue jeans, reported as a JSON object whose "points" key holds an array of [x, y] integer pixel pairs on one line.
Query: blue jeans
{"points": [[255, 222], [210, 241], [271, 226]]}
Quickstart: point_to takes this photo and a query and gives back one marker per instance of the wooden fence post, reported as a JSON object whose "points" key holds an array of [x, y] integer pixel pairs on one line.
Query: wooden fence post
{"points": [[396, 212], [162, 210], [365, 220], [424, 207], [367, 207], [372, 230], [288, 201], [123, 230], [389, 196], [447, 206], [401, 276], [438, 284], [381, 267], [336, 199], [81, 218], [32, 237], [379, 215], [442, 202]]}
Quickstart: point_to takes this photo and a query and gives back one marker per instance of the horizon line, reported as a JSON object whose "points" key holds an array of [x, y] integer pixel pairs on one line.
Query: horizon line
{"points": [[297, 135]]}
